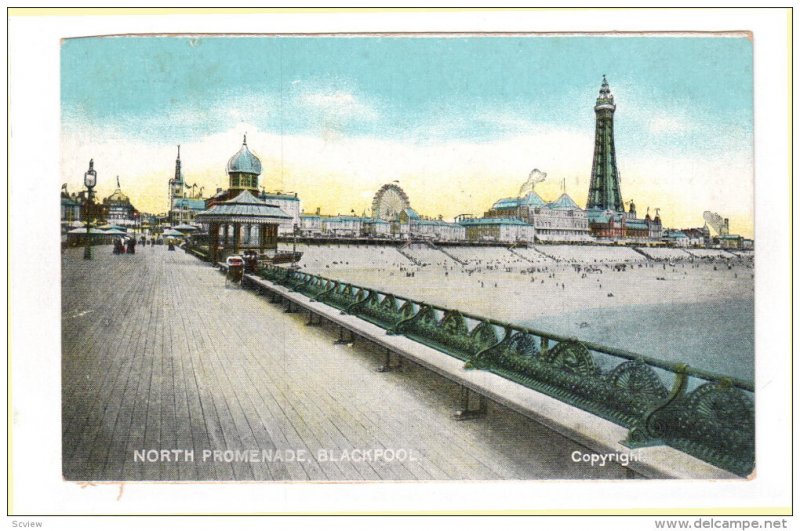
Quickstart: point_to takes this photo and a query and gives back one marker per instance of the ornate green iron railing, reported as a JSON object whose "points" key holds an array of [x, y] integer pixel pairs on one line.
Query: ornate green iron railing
{"points": [[707, 415]]}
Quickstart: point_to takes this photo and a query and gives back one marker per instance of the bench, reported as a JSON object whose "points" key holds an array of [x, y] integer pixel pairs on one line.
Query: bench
{"points": [[586, 429]]}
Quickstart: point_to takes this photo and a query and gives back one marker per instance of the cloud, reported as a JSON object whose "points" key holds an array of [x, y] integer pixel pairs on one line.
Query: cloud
{"points": [[338, 104]]}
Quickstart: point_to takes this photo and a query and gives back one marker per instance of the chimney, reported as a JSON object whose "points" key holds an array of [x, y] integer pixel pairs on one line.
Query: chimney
{"points": [[318, 211]]}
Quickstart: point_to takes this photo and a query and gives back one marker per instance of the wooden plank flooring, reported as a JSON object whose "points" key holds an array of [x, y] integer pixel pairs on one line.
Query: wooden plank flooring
{"points": [[159, 355]]}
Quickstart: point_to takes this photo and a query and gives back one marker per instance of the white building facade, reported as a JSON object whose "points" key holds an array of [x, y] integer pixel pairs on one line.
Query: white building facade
{"points": [[498, 230], [290, 204]]}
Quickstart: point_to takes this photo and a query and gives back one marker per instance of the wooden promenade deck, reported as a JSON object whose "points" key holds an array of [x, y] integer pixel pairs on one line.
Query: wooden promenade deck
{"points": [[159, 355]]}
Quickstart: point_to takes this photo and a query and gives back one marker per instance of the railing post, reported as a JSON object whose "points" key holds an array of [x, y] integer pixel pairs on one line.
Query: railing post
{"points": [[465, 413]]}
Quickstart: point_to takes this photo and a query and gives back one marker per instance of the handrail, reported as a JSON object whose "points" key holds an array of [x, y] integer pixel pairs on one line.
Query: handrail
{"points": [[613, 351], [631, 394]]}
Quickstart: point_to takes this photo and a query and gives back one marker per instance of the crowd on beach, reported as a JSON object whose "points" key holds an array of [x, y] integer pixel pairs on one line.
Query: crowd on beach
{"points": [[605, 270], [530, 260]]}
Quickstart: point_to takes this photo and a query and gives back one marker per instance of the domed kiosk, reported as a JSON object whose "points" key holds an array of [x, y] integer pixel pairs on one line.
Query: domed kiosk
{"points": [[243, 170], [242, 221]]}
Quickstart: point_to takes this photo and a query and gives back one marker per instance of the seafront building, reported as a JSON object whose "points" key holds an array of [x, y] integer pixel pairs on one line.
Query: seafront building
{"points": [[288, 203], [410, 225], [118, 208], [311, 225], [376, 228], [497, 230], [70, 206], [561, 220], [342, 226]]}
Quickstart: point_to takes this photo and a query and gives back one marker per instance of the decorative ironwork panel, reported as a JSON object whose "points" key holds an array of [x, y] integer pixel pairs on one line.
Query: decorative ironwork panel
{"points": [[715, 422]]}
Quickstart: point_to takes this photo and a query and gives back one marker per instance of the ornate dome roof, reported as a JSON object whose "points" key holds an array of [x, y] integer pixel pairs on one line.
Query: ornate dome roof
{"points": [[118, 196], [244, 161]]}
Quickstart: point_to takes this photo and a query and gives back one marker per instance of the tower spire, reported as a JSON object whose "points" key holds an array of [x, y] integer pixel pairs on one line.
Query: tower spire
{"points": [[178, 173], [604, 190], [244, 142]]}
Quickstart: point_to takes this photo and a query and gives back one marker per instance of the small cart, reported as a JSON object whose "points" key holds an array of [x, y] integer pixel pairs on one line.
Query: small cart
{"points": [[235, 270]]}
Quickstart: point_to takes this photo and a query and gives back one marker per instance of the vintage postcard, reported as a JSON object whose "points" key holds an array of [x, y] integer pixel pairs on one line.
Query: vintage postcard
{"points": [[407, 257], [426, 265]]}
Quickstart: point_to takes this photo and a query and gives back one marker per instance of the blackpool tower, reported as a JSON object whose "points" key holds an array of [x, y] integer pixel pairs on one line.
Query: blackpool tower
{"points": [[604, 192]]}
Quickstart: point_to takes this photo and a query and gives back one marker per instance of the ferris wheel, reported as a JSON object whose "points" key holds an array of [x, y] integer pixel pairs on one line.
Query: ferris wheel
{"points": [[388, 202]]}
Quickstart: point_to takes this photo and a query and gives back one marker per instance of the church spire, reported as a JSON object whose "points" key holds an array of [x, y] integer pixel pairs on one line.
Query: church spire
{"points": [[178, 173]]}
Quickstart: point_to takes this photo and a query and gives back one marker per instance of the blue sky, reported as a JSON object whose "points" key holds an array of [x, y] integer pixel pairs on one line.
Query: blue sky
{"points": [[677, 97], [408, 81]]}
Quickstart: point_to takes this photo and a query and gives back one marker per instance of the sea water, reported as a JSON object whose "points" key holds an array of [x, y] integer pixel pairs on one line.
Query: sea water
{"points": [[716, 336]]}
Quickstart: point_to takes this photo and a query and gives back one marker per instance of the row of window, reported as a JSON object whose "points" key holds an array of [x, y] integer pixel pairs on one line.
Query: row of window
{"points": [[244, 180]]}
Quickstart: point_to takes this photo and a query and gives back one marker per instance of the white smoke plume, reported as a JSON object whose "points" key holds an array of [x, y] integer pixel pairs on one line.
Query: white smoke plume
{"points": [[536, 176], [714, 220]]}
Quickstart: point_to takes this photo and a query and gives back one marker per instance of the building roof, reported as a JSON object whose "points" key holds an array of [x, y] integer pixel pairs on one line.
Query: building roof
{"points": [[597, 215], [636, 223], [285, 197], [244, 208], [67, 201], [493, 221], [342, 219], [693, 233], [437, 222], [244, 161], [118, 197], [192, 204], [506, 203], [532, 199], [411, 213], [564, 202]]}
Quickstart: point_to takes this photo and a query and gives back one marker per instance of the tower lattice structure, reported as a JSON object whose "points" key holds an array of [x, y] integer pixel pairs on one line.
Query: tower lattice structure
{"points": [[604, 191]]}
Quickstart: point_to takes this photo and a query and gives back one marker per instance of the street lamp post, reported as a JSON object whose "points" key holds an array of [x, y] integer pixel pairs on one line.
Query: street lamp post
{"points": [[90, 180]]}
